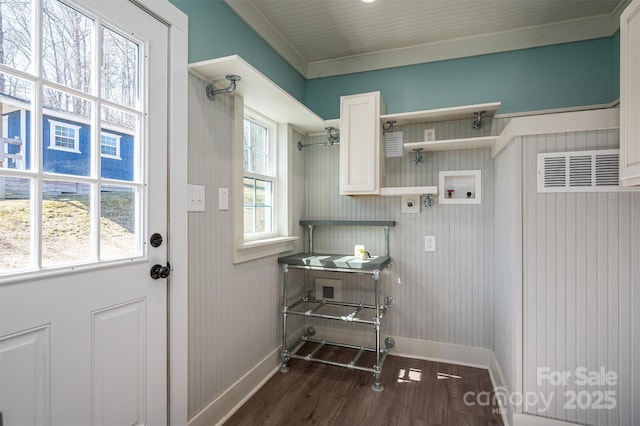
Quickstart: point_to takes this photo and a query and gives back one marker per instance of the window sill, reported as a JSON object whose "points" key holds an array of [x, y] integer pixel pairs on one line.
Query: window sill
{"points": [[59, 148], [251, 250]]}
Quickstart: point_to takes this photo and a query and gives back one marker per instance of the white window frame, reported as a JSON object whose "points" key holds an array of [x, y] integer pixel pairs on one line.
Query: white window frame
{"points": [[282, 239], [52, 136], [117, 138], [272, 164]]}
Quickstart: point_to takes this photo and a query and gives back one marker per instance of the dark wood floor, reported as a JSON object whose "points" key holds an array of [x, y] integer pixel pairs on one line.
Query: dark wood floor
{"points": [[416, 392]]}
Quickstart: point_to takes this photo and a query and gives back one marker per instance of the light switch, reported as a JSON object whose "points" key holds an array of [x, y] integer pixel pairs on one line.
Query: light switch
{"points": [[196, 194], [223, 198]]}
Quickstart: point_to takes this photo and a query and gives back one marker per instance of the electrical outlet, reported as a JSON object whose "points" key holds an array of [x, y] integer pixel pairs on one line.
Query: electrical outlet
{"points": [[429, 243]]}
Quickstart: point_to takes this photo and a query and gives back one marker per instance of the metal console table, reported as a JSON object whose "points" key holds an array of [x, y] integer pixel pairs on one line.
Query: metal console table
{"points": [[310, 307]]}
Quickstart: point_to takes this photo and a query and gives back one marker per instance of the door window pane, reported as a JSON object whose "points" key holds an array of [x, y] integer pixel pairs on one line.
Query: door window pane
{"points": [[15, 223], [15, 109], [66, 134], [67, 40], [120, 69], [119, 145], [16, 34], [66, 223], [118, 234]]}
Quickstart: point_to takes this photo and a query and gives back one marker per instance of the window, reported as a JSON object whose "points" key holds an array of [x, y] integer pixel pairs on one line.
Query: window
{"points": [[259, 178], [61, 207], [64, 136], [110, 145], [261, 174]]}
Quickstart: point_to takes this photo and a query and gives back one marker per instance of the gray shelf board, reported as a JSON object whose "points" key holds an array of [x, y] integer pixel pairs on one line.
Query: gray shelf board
{"points": [[348, 222], [335, 261]]}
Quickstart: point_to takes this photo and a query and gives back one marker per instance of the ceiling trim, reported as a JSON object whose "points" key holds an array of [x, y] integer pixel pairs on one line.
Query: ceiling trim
{"points": [[265, 29], [543, 35]]}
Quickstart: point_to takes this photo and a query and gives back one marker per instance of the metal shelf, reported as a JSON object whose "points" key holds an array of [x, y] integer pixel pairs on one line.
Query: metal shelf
{"points": [[339, 311], [353, 364], [335, 310]]}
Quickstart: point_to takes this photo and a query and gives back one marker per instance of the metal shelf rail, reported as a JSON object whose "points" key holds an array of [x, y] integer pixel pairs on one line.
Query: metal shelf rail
{"points": [[313, 308]]}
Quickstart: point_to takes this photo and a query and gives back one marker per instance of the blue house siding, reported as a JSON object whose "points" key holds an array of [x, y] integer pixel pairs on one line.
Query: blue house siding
{"points": [[60, 161], [119, 169], [55, 160]]}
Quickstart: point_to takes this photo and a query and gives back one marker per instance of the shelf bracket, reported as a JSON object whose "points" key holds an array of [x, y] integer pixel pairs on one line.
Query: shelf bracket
{"points": [[419, 158], [388, 126], [478, 123]]}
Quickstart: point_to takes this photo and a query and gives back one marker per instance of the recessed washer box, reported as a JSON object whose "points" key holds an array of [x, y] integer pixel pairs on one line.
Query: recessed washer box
{"points": [[329, 289]]}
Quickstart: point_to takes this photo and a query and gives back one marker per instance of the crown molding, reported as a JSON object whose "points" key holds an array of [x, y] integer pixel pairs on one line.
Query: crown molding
{"points": [[524, 38], [261, 25], [536, 36]]}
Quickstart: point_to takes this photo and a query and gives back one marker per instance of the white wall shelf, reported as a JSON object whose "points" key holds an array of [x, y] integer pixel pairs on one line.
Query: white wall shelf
{"points": [[461, 182], [259, 92], [452, 144], [441, 114], [408, 190]]}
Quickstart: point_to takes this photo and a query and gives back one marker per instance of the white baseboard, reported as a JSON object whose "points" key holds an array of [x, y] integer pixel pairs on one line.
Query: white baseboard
{"points": [[520, 419], [224, 406], [500, 385], [220, 409], [470, 356]]}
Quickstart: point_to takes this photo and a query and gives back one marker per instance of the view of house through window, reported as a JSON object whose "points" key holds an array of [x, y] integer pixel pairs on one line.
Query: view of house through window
{"points": [[70, 155], [259, 178]]}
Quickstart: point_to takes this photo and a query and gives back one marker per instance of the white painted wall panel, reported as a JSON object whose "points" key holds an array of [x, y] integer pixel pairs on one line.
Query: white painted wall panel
{"points": [[578, 276], [233, 309], [444, 296], [507, 263]]}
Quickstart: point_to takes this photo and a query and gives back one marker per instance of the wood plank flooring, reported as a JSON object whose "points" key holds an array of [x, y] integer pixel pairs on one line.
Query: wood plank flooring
{"points": [[417, 392]]}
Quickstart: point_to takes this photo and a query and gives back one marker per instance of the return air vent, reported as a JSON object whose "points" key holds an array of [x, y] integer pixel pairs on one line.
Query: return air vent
{"points": [[579, 171]]}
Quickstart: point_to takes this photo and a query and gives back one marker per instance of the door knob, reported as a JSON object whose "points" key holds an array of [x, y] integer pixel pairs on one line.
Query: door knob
{"points": [[159, 271]]}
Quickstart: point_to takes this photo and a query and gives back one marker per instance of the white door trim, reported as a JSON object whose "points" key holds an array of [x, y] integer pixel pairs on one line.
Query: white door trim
{"points": [[177, 232]]}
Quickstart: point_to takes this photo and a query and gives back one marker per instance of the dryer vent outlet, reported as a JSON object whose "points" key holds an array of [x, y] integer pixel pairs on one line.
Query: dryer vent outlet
{"points": [[329, 289]]}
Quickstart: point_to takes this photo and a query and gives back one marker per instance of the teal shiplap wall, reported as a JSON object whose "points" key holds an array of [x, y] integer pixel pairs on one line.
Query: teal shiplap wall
{"points": [[558, 76], [216, 31], [564, 75]]}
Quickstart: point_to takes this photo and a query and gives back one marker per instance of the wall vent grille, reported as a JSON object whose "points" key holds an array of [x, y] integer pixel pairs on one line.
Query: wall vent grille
{"points": [[579, 171]]}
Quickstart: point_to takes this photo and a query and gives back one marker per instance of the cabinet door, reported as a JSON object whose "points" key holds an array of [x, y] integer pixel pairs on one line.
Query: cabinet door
{"points": [[630, 95], [360, 144]]}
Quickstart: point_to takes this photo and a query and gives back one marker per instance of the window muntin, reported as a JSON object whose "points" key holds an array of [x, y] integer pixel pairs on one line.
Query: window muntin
{"points": [[259, 178]]}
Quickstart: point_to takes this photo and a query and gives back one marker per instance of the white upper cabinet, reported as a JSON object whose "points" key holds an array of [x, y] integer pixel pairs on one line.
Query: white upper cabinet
{"points": [[360, 146], [630, 95]]}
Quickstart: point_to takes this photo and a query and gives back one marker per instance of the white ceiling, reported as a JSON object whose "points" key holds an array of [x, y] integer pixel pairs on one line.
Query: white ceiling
{"points": [[329, 37]]}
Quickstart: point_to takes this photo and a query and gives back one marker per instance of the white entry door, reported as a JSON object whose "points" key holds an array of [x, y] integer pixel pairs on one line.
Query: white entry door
{"points": [[83, 88]]}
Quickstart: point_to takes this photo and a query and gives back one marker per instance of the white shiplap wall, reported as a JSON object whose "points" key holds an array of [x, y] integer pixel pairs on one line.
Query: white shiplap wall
{"points": [[507, 263], [233, 309], [578, 257], [444, 296]]}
